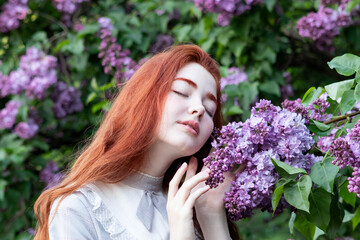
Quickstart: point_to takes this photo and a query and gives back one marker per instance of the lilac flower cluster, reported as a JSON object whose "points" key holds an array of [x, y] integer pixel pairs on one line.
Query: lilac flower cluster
{"points": [[66, 100], [8, 114], [12, 12], [51, 175], [324, 25], [270, 132], [115, 60], [347, 153], [27, 130], [226, 8], [354, 182], [35, 75], [67, 6], [316, 110]]}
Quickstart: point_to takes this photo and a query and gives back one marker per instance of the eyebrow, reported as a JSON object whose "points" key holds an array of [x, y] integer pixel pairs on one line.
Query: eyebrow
{"points": [[209, 95]]}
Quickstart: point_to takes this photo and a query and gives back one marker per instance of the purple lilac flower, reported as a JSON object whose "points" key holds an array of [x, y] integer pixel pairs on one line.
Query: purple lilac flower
{"points": [[296, 107], [329, 2], [12, 12], [8, 114], [78, 26], [105, 23], [324, 25], [342, 152], [67, 6], [286, 90], [162, 42], [270, 132], [26, 130], [66, 100], [226, 8], [115, 60], [35, 75], [354, 182], [51, 175], [318, 108]]}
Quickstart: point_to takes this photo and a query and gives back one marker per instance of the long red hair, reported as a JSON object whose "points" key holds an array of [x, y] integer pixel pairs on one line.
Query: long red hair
{"points": [[128, 129]]}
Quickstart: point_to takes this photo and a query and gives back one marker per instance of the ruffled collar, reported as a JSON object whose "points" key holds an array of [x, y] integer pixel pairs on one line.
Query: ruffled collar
{"points": [[144, 181]]}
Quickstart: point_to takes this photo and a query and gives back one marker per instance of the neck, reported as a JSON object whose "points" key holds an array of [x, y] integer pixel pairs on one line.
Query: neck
{"points": [[158, 159]]}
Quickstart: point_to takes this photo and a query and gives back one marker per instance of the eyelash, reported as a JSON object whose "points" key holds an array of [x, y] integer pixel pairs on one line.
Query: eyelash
{"points": [[184, 95]]}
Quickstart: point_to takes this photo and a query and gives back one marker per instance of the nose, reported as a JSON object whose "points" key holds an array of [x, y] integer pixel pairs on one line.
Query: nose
{"points": [[197, 110]]}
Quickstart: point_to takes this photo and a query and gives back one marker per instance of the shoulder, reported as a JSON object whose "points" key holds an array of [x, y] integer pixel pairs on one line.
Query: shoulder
{"points": [[71, 216]]}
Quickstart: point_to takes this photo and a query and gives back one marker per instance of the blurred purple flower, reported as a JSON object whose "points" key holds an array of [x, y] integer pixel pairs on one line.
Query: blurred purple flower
{"points": [[26, 130], [12, 12], [51, 175], [8, 114], [162, 42], [66, 100]]}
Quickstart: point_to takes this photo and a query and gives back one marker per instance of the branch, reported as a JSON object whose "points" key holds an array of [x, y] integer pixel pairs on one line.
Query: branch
{"points": [[337, 119]]}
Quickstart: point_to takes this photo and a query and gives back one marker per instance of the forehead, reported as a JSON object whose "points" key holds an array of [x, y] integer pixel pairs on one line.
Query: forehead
{"points": [[199, 75]]}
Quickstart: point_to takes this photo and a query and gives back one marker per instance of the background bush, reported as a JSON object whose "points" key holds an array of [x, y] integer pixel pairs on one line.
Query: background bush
{"points": [[62, 61]]}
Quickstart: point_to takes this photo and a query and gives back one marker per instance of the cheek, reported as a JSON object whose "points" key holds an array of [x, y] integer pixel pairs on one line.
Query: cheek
{"points": [[208, 128]]}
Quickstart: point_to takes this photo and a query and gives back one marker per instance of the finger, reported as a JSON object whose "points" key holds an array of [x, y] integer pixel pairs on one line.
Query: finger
{"points": [[190, 202], [175, 181], [191, 171], [184, 191]]}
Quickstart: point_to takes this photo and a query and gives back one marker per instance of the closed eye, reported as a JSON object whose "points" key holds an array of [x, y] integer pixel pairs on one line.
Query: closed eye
{"points": [[180, 93], [209, 113]]}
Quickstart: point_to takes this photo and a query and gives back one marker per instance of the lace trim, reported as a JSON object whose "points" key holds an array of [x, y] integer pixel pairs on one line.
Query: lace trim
{"points": [[104, 216]]}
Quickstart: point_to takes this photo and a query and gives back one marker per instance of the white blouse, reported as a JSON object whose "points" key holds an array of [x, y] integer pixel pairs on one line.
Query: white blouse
{"points": [[109, 211]]}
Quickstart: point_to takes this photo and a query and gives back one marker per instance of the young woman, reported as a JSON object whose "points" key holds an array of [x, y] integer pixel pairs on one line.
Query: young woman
{"points": [[127, 183]]}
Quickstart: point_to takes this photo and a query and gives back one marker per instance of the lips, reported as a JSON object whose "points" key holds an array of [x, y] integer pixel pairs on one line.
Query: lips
{"points": [[192, 125]]}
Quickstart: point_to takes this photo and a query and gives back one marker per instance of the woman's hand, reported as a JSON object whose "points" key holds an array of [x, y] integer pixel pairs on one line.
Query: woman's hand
{"points": [[181, 201], [210, 207]]}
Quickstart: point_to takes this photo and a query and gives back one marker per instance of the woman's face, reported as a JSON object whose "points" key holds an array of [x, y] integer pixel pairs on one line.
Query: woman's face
{"points": [[187, 119]]}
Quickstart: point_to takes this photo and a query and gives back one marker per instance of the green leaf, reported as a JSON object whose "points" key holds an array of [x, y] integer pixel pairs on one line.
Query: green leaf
{"points": [[347, 101], [348, 216], [357, 92], [346, 64], [182, 32], [279, 189], [336, 90], [3, 184], [321, 126], [320, 201], [324, 173], [234, 110], [90, 97], [356, 219], [304, 226], [98, 106], [349, 197], [286, 171], [336, 216], [311, 96], [94, 84], [291, 222], [270, 4], [297, 193], [270, 87], [314, 129]]}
